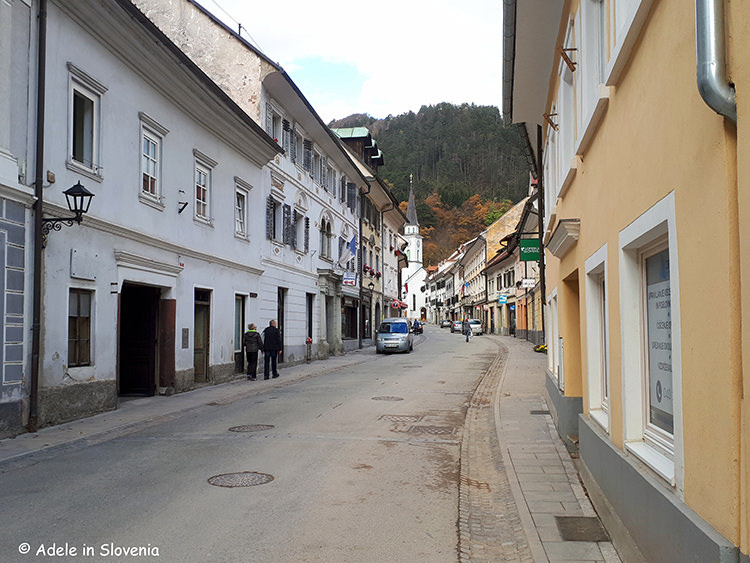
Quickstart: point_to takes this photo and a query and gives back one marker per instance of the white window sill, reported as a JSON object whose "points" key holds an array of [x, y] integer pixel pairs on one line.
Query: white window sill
{"points": [[601, 417], [592, 123], [244, 237], [94, 173], [204, 221], [661, 464], [151, 201]]}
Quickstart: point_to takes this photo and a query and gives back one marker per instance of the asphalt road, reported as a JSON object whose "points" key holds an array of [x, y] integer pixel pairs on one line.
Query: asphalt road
{"points": [[364, 465]]}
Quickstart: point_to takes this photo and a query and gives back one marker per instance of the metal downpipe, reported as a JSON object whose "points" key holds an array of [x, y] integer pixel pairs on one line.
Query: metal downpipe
{"points": [[710, 44]]}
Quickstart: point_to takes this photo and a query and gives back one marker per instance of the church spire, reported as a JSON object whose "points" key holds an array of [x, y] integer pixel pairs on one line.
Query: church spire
{"points": [[411, 210]]}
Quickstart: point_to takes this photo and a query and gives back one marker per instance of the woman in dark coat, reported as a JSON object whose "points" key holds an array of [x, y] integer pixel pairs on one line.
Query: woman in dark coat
{"points": [[252, 342]]}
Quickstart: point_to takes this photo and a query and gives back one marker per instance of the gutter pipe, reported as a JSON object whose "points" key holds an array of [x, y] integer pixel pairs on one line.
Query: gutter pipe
{"points": [[39, 193], [713, 84]]}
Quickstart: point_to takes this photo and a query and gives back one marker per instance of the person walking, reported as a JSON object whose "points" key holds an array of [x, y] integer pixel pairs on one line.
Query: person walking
{"points": [[271, 347], [252, 343], [467, 329]]}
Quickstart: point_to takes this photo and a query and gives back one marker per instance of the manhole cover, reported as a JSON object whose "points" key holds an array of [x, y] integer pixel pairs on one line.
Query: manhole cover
{"points": [[251, 428], [387, 399], [581, 528], [242, 479], [400, 418], [436, 430]]}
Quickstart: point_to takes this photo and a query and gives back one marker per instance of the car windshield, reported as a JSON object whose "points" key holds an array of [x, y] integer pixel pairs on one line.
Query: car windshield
{"points": [[475, 322], [399, 328]]}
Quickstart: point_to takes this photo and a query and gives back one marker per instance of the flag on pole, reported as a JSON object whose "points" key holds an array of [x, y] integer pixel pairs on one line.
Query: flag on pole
{"points": [[348, 252]]}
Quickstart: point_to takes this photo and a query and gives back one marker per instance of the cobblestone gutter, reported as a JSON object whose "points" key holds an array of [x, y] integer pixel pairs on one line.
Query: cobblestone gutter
{"points": [[489, 524]]}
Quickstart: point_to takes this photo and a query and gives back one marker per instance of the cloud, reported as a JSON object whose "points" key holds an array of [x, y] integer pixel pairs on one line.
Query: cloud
{"points": [[406, 53]]}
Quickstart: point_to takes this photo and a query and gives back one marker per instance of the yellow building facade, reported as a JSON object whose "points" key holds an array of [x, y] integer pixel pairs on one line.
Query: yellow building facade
{"points": [[647, 237]]}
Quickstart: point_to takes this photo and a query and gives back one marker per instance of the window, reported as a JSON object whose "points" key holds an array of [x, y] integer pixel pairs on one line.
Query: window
{"points": [[150, 165], [273, 123], [79, 328], [202, 186], [240, 212], [597, 336], [202, 179], [331, 175], [326, 235], [273, 221], [651, 351], [84, 124], [152, 135], [342, 188]]}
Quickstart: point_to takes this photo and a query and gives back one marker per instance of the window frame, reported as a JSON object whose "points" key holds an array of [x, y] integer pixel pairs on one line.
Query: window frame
{"points": [[649, 232], [150, 128], [597, 337], [92, 90], [78, 340], [204, 165]]}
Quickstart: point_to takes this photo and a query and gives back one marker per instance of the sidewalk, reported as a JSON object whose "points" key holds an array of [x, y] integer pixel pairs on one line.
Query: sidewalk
{"points": [[136, 413], [520, 497]]}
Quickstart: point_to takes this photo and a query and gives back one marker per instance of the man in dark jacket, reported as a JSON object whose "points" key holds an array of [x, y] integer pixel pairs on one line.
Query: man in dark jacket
{"points": [[252, 342], [271, 347]]}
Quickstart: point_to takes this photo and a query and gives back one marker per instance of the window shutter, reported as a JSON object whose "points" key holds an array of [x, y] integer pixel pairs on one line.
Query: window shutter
{"points": [[307, 155], [293, 144], [269, 119], [351, 196], [270, 210], [333, 181], [285, 136], [307, 234], [295, 220], [324, 172], [287, 214]]}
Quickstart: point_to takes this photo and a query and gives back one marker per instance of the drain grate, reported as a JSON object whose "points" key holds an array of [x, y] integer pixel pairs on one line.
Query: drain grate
{"points": [[475, 484], [387, 398], [251, 428], [539, 412], [400, 418], [242, 479], [435, 430], [581, 528]]}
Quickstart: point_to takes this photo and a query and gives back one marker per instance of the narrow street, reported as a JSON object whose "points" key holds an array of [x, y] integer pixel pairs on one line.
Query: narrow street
{"points": [[362, 458]]}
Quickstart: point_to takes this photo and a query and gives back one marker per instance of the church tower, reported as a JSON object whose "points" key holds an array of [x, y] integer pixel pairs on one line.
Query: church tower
{"points": [[411, 233], [413, 275]]}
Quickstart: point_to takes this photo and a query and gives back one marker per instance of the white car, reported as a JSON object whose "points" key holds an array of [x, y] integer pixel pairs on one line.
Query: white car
{"points": [[476, 326]]}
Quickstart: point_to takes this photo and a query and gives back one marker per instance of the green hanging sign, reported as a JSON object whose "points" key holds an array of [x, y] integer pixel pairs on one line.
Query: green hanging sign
{"points": [[529, 248]]}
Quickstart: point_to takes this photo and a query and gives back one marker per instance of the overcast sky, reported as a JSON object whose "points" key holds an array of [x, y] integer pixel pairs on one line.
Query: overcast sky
{"points": [[381, 58]]}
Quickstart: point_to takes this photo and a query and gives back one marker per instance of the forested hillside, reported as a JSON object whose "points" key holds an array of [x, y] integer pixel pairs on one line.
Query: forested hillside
{"points": [[454, 152]]}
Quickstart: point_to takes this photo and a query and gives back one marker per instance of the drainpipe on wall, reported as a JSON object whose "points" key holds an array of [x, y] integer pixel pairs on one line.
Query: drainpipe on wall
{"points": [[38, 191], [710, 46]]}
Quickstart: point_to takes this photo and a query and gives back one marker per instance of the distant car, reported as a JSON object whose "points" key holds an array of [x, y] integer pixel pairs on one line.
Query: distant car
{"points": [[457, 326], [476, 326], [445, 323], [394, 335], [417, 326]]}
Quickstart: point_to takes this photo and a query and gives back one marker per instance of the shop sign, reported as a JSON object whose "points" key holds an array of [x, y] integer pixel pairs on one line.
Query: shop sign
{"points": [[528, 283], [350, 278], [529, 249], [502, 299]]}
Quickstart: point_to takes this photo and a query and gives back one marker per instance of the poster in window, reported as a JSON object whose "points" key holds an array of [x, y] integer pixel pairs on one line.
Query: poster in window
{"points": [[659, 311]]}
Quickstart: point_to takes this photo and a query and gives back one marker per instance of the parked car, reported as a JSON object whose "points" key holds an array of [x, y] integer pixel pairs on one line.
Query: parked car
{"points": [[445, 323], [394, 335], [417, 326], [476, 326], [457, 326]]}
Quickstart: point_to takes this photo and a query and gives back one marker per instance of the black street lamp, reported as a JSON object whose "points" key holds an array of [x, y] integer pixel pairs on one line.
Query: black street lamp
{"points": [[79, 200]]}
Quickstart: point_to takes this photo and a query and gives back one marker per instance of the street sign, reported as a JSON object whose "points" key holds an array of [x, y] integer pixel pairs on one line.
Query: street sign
{"points": [[502, 299], [528, 283], [529, 249]]}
